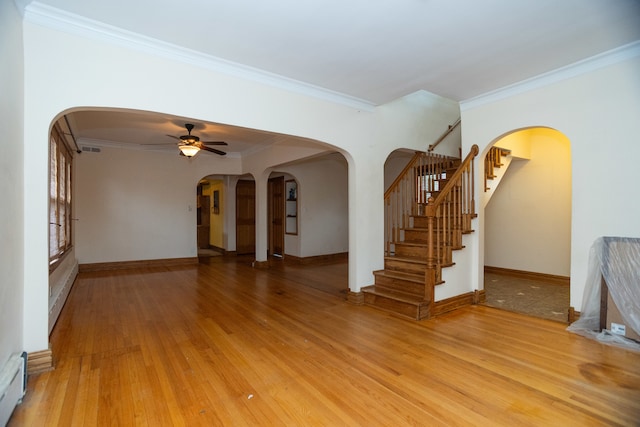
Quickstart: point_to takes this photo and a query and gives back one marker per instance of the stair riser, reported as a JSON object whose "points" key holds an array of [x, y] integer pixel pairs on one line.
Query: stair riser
{"points": [[422, 222], [422, 252], [410, 268], [399, 307], [394, 284], [421, 235], [405, 267], [411, 251], [415, 236], [416, 233]]}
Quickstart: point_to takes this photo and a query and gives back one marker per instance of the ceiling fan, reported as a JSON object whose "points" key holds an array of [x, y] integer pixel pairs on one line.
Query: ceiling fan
{"points": [[190, 145]]}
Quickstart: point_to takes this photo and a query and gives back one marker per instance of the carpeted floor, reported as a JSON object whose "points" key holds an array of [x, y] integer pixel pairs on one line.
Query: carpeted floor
{"points": [[535, 298]]}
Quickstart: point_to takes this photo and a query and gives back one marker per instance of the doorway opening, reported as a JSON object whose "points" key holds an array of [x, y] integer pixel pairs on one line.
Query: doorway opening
{"points": [[209, 217], [245, 217], [276, 216], [527, 224]]}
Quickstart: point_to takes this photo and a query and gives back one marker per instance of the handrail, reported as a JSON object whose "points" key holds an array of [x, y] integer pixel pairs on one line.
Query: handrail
{"points": [[409, 192], [452, 181], [444, 135], [446, 222]]}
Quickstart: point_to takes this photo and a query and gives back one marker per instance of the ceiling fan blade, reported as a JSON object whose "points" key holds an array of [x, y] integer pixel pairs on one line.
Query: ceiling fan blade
{"points": [[213, 150], [174, 137], [214, 142]]}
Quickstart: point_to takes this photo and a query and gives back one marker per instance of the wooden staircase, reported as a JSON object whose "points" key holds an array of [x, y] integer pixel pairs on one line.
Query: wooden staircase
{"points": [[427, 210], [493, 161]]}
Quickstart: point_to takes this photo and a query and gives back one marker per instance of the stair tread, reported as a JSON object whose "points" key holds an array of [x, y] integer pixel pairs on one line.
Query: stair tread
{"points": [[423, 240], [421, 243], [394, 274], [412, 243]]}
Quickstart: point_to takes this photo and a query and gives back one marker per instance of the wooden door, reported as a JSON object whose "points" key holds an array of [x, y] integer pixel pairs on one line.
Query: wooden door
{"points": [[245, 217], [203, 221], [276, 216]]}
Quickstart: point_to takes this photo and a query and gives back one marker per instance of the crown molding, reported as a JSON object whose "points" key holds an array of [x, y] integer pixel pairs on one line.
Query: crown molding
{"points": [[21, 5], [593, 63], [57, 19]]}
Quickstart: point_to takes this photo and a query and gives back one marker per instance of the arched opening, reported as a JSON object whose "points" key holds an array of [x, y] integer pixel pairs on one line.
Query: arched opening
{"points": [[315, 208], [210, 216], [137, 201], [527, 223]]}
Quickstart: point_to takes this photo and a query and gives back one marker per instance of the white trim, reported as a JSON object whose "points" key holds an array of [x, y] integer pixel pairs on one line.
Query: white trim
{"points": [[57, 19], [593, 63]]}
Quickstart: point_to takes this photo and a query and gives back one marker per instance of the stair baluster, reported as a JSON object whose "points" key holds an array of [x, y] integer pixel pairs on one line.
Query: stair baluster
{"points": [[454, 205]]}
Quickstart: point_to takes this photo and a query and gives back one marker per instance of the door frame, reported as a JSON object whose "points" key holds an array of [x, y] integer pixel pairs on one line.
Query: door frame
{"points": [[275, 206], [245, 204]]}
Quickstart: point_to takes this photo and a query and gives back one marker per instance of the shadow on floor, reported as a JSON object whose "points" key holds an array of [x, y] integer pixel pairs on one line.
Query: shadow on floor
{"points": [[531, 297]]}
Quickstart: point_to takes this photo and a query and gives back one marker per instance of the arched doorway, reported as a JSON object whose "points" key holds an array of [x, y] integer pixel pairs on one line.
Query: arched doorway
{"points": [[527, 224], [210, 216]]}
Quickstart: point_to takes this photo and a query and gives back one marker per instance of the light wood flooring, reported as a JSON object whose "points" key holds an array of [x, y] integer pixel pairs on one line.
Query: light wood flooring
{"points": [[222, 343]]}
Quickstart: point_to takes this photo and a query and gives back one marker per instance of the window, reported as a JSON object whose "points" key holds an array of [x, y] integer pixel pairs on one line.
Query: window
{"points": [[60, 160]]}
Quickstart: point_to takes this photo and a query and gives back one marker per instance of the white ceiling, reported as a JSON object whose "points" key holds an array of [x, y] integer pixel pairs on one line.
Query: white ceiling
{"points": [[158, 132], [380, 50]]}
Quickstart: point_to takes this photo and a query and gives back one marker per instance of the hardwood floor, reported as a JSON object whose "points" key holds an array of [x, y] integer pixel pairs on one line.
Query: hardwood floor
{"points": [[222, 343]]}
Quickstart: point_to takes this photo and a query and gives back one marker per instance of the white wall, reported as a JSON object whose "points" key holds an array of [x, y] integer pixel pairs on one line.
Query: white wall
{"points": [[146, 210], [110, 74], [598, 111], [396, 162], [11, 180], [323, 211], [528, 219]]}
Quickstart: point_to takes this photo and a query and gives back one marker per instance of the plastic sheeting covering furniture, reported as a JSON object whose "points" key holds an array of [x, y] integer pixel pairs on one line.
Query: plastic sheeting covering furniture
{"points": [[617, 261]]}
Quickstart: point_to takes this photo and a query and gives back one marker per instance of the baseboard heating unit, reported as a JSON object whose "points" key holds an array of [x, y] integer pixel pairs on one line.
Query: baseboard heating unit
{"points": [[13, 382]]}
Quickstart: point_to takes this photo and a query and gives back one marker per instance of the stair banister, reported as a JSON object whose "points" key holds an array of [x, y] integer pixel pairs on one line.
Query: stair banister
{"points": [[447, 188], [453, 191], [408, 194], [444, 135]]}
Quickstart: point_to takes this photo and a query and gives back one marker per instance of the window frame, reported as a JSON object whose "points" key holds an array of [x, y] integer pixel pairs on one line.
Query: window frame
{"points": [[60, 197]]}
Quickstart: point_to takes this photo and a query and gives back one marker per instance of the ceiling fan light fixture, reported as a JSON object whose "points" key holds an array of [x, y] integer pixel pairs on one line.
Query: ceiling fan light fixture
{"points": [[189, 150], [190, 145], [189, 139]]}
